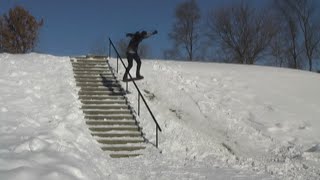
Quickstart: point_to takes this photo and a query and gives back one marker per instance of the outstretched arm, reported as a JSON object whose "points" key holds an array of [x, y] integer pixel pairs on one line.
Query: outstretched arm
{"points": [[150, 34], [129, 34]]}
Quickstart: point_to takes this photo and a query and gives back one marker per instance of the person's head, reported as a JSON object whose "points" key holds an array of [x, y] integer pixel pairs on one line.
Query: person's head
{"points": [[143, 33]]}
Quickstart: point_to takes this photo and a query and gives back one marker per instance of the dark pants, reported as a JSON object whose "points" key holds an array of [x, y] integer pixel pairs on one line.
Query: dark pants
{"points": [[130, 58]]}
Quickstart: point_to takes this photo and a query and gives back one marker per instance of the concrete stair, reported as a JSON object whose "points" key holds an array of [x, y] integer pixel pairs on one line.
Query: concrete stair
{"points": [[107, 112]]}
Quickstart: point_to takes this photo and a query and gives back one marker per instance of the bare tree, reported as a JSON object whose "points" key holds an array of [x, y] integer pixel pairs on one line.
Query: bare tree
{"points": [[285, 47], [305, 10], [186, 29], [293, 50], [1, 37], [172, 53], [241, 32], [278, 51], [18, 31], [302, 26], [289, 31]]}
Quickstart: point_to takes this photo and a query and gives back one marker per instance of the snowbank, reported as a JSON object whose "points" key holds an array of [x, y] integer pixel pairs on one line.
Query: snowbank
{"points": [[219, 122], [260, 118], [42, 132]]}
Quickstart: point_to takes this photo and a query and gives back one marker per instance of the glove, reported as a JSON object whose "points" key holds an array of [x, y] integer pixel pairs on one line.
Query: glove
{"points": [[155, 32]]}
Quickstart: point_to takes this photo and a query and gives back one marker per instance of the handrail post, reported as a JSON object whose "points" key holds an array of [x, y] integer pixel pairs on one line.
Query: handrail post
{"points": [[127, 88], [109, 48], [157, 137], [138, 104], [117, 64]]}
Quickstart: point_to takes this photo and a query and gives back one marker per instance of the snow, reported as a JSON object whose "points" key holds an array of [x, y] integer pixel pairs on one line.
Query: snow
{"points": [[219, 121]]}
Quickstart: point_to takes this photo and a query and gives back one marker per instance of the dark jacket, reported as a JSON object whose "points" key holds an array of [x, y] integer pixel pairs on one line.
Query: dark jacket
{"points": [[136, 38]]}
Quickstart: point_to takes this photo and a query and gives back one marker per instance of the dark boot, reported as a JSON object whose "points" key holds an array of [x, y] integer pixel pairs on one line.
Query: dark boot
{"points": [[138, 76]]}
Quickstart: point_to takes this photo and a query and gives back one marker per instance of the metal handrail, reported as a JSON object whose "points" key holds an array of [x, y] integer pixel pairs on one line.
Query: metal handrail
{"points": [[139, 92]]}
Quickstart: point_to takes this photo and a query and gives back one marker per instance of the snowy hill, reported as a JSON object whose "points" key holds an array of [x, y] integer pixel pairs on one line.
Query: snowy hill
{"points": [[219, 121]]}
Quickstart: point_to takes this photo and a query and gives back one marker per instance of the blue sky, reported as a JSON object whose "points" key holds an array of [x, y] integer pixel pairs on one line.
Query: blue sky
{"points": [[73, 27]]}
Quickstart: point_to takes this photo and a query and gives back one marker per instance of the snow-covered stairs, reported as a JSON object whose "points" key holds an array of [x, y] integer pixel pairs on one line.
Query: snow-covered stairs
{"points": [[107, 113]]}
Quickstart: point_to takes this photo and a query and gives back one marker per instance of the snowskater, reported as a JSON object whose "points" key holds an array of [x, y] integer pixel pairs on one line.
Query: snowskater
{"points": [[132, 51]]}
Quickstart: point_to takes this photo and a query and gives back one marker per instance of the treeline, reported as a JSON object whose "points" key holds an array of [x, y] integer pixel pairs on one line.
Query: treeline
{"points": [[19, 31], [284, 33]]}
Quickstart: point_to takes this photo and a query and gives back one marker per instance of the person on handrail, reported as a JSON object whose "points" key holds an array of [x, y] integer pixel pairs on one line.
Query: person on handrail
{"points": [[132, 51]]}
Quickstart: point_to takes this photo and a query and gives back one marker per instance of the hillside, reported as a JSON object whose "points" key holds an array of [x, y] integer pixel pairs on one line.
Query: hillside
{"points": [[219, 121], [266, 118]]}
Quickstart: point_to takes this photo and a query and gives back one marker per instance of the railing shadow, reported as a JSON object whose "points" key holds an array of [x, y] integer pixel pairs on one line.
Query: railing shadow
{"points": [[108, 84]]}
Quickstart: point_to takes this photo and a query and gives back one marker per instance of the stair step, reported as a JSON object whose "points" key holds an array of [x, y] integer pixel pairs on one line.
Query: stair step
{"points": [[92, 74], [113, 128], [122, 148], [108, 72], [94, 80], [90, 65], [90, 69], [108, 83], [100, 92], [88, 76], [125, 155], [112, 116], [96, 72], [90, 57], [122, 134], [101, 97], [88, 61], [101, 88], [104, 81], [97, 84], [105, 92], [105, 102], [105, 112], [120, 141], [108, 77], [113, 111], [97, 57], [92, 97], [109, 106], [92, 62], [111, 122], [108, 97]]}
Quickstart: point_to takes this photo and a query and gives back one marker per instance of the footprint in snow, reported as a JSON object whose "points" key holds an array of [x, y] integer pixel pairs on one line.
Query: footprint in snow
{"points": [[315, 148]]}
